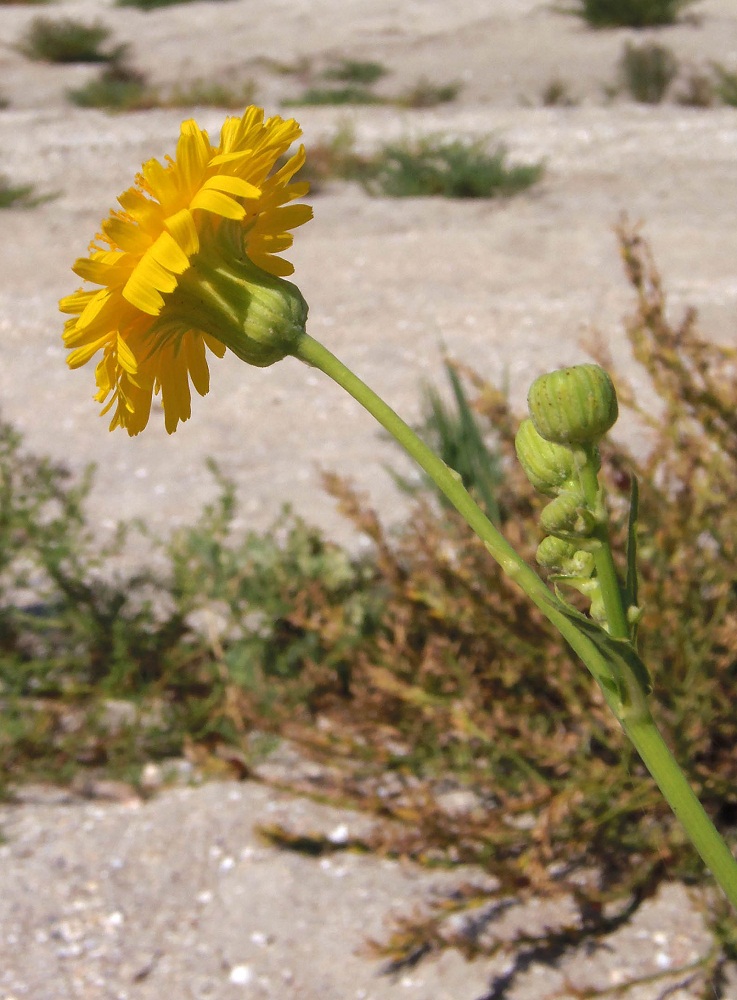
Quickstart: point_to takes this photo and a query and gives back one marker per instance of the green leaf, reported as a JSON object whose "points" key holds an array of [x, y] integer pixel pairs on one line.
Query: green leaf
{"points": [[630, 583], [628, 672]]}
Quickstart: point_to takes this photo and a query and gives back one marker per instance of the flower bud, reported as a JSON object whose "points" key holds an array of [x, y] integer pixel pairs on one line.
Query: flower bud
{"points": [[548, 466], [567, 514], [581, 565], [554, 553], [565, 558], [573, 405]]}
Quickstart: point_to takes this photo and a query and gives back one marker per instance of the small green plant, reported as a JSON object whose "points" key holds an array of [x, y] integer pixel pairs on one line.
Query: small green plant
{"points": [[352, 94], [630, 13], [122, 88], [17, 195], [67, 41], [362, 73], [358, 78], [647, 71], [200, 93], [451, 168], [117, 88], [726, 85], [425, 94], [293, 605], [433, 166]]}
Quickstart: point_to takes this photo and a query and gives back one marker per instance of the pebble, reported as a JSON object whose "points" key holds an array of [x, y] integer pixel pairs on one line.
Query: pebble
{"points": [[240, 975]]}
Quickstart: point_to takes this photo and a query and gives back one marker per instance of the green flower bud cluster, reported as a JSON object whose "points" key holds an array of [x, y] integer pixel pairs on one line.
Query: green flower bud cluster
{"points": [[553, 469], [570, 411]]}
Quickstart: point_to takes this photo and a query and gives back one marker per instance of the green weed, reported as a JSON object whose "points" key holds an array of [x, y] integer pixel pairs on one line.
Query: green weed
{"points": [[117, 88], [358, 78], [354, 71], [67, 40], [353, 94], [18, 195], [300, 67], [425, 94], [647, 71], [432, 166], [200, 93], [451, 168], [121, 88], [293, 606], [630, 13]]}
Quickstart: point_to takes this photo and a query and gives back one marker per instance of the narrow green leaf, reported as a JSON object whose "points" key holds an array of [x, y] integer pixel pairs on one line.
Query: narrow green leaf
{"points": [[477, 455], [630, 584], [619, 654]]}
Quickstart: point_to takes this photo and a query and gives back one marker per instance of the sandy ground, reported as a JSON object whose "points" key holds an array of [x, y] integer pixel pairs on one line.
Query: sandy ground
{"points": [[181, 898], [509, 287]]}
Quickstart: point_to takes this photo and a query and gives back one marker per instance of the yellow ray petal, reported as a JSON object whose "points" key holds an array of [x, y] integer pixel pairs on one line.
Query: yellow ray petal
{"points": [[126, 358], [182, 227], [231, 185], [194, 351], [219, 204]]}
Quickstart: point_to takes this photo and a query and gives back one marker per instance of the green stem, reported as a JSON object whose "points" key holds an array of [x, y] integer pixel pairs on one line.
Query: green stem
{"points": [[659, 761], [312, 352], [638, 724], [606, 572]]}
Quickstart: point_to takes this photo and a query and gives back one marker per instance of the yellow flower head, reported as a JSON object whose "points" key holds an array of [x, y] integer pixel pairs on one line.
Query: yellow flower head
{"points": [[189, 264]]}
